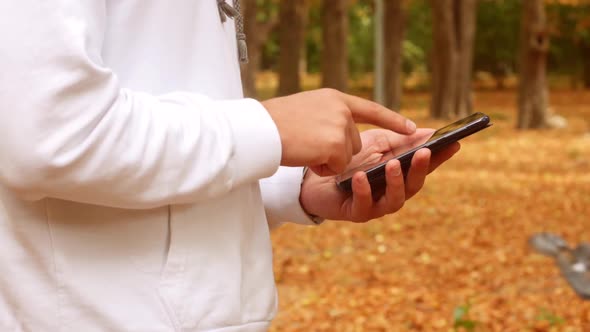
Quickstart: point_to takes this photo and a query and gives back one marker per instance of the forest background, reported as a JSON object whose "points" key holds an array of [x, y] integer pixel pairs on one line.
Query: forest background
{"points": [[457, 256]]}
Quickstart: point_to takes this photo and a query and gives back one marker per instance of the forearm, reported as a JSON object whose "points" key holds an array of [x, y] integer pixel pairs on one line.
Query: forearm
{"points": [[72, 132]]}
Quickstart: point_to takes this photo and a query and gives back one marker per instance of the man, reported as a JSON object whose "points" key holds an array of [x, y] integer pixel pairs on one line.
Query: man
{"points": [[131, 196]]}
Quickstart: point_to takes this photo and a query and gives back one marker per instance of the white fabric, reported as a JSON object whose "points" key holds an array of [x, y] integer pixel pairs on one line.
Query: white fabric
{"points": [[129, 171]]}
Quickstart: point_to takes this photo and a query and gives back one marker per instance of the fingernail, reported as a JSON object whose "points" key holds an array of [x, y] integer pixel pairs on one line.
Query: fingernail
{"points": [[361, 178], [410, 125], [397, 170]]}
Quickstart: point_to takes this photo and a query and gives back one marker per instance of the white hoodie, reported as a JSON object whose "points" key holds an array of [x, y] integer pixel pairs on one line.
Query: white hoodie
{"points": [[129, 171]]}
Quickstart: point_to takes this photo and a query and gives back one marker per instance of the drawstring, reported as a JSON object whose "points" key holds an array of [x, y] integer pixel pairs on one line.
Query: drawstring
{"points": [[225, 11]]}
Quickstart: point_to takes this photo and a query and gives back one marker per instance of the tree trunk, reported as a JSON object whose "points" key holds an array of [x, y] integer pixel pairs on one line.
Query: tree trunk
{"points": [[444, 60], [454, 33], [585, 49], [292, 16], [465, 12], [534, 45], [393, 40], [335, 51], [257, 34]]}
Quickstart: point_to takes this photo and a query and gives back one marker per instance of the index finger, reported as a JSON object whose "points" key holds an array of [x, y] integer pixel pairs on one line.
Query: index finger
{"points": [[369, 112]]}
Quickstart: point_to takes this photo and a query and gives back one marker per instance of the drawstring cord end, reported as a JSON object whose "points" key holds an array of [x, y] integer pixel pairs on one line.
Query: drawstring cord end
{"points": [[243, 50], [225, 11]]}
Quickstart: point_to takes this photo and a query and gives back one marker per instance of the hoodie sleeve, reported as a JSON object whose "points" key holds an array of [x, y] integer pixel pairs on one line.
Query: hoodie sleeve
{"points": [[68, 130], [280, 194]]}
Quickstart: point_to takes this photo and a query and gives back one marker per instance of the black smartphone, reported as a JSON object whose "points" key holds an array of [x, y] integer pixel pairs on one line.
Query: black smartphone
{"points": [[437, 141]]}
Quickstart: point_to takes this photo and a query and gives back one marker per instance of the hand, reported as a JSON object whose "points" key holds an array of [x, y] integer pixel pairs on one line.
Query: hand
{"points": [[321, 197], [318, 130]]}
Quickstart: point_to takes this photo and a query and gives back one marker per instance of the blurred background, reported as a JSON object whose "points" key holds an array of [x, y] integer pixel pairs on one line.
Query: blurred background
{"points": [[456, 257]]}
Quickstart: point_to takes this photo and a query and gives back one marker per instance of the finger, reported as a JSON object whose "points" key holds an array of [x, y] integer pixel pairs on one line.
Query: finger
{"points": [[395, 195], [366, 111], [391, 141], [440, 157], [355, 138], [349, 149], [338, 162], [340, 157], [418, 171], [419, 137], [362, 201]]}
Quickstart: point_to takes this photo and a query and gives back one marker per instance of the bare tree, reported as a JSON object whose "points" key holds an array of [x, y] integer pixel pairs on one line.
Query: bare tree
{"points": [[534, 45], [454, 34], [394, 24], [257, 33], [293, 17], [335, 51], [585, 50]]}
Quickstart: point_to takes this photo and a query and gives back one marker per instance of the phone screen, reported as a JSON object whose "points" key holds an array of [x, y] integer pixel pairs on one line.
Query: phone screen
{"points": [[388, 156], [454, 126], [427, 141]]}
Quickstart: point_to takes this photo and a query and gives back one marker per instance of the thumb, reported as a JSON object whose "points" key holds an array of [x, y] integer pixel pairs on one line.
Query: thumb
{"points": [[322, 170]]}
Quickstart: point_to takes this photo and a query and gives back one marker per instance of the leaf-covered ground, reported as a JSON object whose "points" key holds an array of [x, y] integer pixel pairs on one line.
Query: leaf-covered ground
{"points": [[460, 246]]}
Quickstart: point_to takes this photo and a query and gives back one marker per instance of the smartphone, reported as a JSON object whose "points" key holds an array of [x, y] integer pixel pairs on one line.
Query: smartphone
{"points": [[436, 142]]}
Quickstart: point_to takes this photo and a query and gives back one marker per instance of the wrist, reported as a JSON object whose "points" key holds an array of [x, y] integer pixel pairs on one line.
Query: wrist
{"points": [[316, 219], [275, 115]]}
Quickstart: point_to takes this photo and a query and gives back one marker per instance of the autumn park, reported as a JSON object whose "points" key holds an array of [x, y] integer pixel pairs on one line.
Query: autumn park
{"points": [[497, 238]]}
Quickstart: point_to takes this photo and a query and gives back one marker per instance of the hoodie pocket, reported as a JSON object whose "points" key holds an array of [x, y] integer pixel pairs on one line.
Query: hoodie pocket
{"points": [[137, 239], [105, 256], [219, 269]]}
